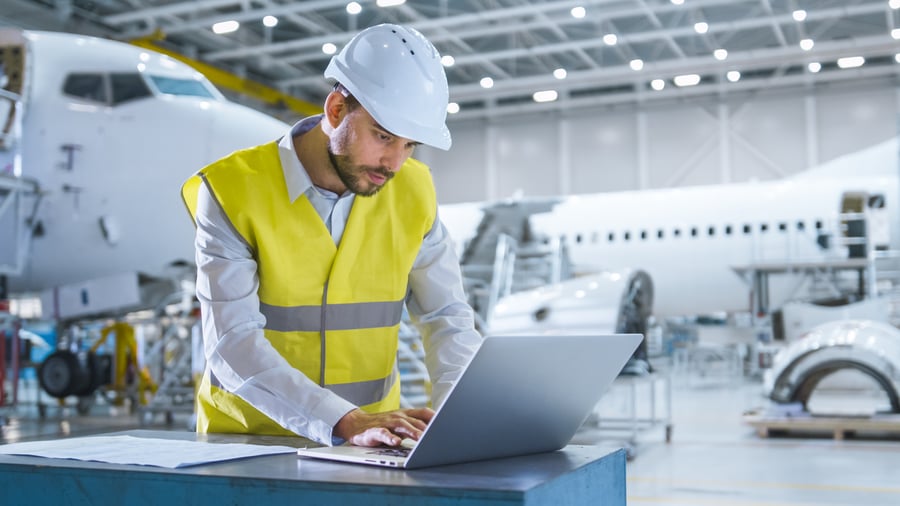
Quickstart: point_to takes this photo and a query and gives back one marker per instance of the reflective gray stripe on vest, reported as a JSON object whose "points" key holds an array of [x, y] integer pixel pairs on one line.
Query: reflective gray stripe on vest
{"points": [[362, 315], [362, 393]]}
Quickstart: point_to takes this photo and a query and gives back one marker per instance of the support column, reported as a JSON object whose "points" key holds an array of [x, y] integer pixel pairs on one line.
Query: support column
{"points": [[812, 130], [642, 150], [725, 171], [564, 157]]}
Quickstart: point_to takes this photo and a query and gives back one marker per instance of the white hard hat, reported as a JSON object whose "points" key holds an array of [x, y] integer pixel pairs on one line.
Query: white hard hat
{"points": [[396, 74]]}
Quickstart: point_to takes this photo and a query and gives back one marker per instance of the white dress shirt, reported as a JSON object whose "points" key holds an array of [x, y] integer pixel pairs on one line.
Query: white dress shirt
{"points": [[243, 361]]}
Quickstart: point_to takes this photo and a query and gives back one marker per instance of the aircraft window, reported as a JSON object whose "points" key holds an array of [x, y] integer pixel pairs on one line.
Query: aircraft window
{"points": [[693, 231], [677, 232], [801, 226], [782, 226], [727, 229], [659, 234], [644, 234], [127, 87], [611, 237], [763, 227], [818, 224], [711, 231], [627, 236], [747, 229], [87, 86], [188, 87], [577, 238]]}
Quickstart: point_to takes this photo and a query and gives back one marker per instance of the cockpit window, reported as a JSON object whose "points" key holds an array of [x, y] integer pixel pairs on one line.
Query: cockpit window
{"points": [[188, 87], [127, 87], [86, 86]]}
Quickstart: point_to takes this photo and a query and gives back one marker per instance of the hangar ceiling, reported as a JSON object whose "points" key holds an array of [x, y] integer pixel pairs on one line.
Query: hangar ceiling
{"points": [[611, 51]]}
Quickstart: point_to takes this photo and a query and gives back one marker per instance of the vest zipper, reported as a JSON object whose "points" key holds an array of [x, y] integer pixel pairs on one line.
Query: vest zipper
{"points": [[322, 336]]}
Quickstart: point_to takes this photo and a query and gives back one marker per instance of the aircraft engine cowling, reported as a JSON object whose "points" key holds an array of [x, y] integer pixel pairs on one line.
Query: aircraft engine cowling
{"points": [[605, 302], [870, 347]]}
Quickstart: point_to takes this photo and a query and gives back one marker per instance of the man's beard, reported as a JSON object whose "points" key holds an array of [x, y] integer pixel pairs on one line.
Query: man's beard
{"points": [[350, 174]]}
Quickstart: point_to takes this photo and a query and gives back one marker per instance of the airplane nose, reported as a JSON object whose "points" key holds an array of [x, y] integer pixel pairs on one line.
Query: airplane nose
{"points": [[236, 127]]}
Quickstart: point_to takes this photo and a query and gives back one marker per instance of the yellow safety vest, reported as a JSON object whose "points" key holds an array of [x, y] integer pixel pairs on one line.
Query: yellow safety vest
{"points": [[333, 312]]}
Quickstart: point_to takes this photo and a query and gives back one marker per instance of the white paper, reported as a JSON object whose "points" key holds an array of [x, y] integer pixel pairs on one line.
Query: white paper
{"points": [[171, 453]]}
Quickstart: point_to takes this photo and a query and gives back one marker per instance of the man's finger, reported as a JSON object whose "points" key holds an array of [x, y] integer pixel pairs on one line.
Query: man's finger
{"points": [[375, 437], [424, 414], [409, 431], [416, 424]]}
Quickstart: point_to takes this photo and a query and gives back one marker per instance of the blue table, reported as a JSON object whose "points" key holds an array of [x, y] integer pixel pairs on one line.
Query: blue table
{"points": [[575, 475]]}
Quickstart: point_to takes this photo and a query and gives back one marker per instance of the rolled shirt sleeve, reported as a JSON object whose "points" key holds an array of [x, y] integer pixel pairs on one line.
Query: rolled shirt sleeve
{"points": [[439, 309]]}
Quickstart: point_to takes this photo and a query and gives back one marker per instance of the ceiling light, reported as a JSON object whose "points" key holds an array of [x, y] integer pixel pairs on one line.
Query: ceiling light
{"points": [[799, 15], [687, 80], [657, 84], [733, 76], [895, 33], [894, 4], [677, 2], [807, 44], [560, 73], [225, 27], [701, 27], [447, 60], [814, 67], [578, 12], [720, 54], [486, 82], [610, 39], [636, 64], [389, 3], [329, 48], [452, 108], [354, 8], [270, 21], [849, 62], [545, 96]]}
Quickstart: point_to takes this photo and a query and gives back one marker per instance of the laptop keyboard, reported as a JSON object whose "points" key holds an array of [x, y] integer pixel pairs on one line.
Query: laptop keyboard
{"points": [[391, 452]]}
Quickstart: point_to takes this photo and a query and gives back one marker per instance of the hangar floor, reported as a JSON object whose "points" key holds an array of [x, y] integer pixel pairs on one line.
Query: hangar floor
{"points": [[713, 457]]}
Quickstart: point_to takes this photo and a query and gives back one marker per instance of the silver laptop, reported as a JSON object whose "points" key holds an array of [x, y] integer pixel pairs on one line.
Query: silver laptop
{"points": [[518, 395]]}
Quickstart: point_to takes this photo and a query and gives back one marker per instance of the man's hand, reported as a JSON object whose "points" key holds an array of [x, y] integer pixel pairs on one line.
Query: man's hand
{"points": [[390, 428]]}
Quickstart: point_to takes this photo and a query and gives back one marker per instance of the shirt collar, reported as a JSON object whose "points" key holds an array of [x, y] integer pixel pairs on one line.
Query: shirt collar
{"points": [[295, 175]]}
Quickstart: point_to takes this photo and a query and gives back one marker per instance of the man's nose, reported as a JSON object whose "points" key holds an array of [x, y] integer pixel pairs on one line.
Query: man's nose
{"points": [[393, 157]]}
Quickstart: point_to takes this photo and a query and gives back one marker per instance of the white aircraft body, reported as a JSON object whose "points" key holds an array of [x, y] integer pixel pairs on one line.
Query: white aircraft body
{"points": [[690, 240], [97, 138]]}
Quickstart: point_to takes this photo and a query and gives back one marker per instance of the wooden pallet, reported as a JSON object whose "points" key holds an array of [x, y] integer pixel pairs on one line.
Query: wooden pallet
{"points": [[838, 427]]}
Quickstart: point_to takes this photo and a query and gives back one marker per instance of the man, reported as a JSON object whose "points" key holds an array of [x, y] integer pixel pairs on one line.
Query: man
{"points": [[308, 247]]}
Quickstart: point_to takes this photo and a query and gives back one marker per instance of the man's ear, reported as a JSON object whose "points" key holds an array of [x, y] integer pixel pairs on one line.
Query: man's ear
{"points": [[335, 107]]}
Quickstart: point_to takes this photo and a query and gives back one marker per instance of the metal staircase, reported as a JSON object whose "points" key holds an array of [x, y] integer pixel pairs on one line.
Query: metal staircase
{"points": [[506, 256]]}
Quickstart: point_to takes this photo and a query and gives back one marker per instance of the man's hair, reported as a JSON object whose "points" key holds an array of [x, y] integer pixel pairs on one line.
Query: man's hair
{"points": [[349, 99]]}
